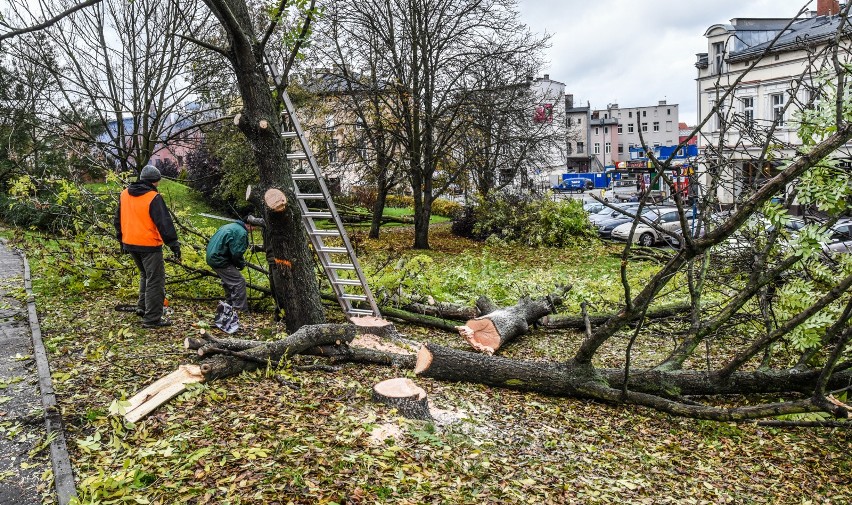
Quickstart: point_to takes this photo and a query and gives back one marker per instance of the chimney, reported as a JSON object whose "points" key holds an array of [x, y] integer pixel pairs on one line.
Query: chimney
{"points": [[661, 102], [569, 101], [828, 7], [546, 77]]}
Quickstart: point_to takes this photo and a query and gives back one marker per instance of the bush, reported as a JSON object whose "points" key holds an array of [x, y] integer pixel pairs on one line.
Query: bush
{"points": [[168, 168], [519, 219]]}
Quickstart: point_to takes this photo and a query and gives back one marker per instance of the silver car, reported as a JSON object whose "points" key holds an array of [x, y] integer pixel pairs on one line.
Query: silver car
{"points": [[665, 218]]}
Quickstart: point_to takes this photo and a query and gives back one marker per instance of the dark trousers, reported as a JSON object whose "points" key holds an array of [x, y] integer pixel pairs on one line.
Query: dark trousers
{"points": [[152, 284], [234, 285]]}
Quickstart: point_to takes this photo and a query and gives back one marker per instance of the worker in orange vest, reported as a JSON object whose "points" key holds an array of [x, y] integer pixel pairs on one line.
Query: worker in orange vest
{"points": [[143, 224]]}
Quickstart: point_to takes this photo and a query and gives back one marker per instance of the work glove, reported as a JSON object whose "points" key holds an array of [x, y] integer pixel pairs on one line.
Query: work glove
{"points": [[176, 251]]}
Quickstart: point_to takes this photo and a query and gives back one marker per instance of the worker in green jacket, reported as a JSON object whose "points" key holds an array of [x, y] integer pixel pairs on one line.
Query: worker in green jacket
{"points": [[225, 255]]}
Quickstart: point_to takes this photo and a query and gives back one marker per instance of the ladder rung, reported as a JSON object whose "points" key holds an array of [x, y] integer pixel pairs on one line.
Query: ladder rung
{"points": [[325, 233], [359, 298], [289, 135], [360, 312], [297, 156], [310, 196], [347, 282], [326, 215], [304, 177], [341, 266], [333, 250]]}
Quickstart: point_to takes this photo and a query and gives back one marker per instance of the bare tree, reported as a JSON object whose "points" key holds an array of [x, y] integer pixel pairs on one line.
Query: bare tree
{"points": [[429, 57]]}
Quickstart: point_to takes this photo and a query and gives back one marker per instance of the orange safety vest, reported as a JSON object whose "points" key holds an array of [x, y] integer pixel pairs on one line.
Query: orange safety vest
{"points": [[137, 227]]}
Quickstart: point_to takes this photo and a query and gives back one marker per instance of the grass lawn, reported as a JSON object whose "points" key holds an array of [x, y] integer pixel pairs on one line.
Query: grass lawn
{"points": [[290, 435]]}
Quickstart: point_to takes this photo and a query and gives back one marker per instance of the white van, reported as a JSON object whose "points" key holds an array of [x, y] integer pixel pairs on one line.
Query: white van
{"points": [[622, 190]]}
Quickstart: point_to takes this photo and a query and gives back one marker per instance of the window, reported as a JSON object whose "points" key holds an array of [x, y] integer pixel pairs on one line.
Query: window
{"points": [[778, 108], [606, 130], [180, 161], [579, 121], [606, 116], [748, 110], [644, 113], [657, 144], [620, 130], [597, 147], [620, 148], [656, 126], [668, 112], [361, 147], [597, 131], [644, 127], [607, 148], [580, 147], [630, 128], [669, 126], [718, 57], [331, 150], [329, 123], [359, 124], [569, 149], [630, 113]]}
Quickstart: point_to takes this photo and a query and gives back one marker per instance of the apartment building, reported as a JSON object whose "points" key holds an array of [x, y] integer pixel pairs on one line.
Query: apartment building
{"points": [[613, 131], [764, 106]]}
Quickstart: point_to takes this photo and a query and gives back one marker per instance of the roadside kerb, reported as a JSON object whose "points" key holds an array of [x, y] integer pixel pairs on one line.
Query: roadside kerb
{"points": [[63, 475]]}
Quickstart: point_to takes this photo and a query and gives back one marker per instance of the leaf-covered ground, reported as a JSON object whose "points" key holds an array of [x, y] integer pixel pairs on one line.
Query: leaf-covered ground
{"points": [[287, 436]]}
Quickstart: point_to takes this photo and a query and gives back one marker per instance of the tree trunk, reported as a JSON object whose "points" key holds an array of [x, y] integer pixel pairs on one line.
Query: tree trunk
{"points": [[566, 379], [405, 396], [489, 332], [291, 263], [379, 206], [307, 337]]}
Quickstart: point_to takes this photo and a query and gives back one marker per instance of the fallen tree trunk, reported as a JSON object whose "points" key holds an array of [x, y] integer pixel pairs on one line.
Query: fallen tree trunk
{"points": [[443, 310], [567, 379], [217, 367], [489, 332]]}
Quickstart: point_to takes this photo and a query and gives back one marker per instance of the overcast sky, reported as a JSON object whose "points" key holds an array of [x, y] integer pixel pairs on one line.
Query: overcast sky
{"points": [[636, 52]]}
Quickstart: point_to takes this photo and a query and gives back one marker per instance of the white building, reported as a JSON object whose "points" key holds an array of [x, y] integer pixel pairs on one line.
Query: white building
{"points": [[765, 105]]}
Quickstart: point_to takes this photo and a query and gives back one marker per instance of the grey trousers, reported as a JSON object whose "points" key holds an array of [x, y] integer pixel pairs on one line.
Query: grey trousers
{"points": [[152, 284], [234, 285]]}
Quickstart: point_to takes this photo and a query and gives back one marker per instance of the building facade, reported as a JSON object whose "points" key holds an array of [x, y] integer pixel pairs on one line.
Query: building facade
{"points": [[615, 130], [764, 106]]}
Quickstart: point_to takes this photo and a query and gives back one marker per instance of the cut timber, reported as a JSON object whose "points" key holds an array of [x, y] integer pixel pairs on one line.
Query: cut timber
{"points": [[405, 396], [489, 332], [375, 326], [161, 391], [275, 200]]}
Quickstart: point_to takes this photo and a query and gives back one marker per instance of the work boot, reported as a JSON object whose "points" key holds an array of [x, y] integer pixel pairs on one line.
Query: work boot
{"points": [[159, 324]]}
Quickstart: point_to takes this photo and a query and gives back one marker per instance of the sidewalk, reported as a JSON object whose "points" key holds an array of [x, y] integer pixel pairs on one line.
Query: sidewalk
{"points": [[26, 454]]}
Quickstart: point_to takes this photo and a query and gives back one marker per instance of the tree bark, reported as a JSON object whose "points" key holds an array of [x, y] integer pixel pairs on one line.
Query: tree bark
{"points": [[291, 264], [489, 332], [577, 322], [405, 396], [217, 367]]}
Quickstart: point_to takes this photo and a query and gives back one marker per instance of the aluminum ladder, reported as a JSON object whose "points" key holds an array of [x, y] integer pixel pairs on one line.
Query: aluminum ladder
{"points": [[337, 260]]}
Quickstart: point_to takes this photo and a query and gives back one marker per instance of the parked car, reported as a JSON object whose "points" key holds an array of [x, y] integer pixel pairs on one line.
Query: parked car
{"points": [[840, 240], [578, 185], [666, 218], [605, 228], [593, 207], [608, 213]]}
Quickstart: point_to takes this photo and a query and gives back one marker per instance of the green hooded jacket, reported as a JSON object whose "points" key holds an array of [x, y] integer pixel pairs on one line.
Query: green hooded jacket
{"points": [[227, 246]]}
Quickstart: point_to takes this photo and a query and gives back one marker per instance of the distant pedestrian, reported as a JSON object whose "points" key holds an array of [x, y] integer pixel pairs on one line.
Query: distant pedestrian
{"points": [[143, 224], [225, 255]]}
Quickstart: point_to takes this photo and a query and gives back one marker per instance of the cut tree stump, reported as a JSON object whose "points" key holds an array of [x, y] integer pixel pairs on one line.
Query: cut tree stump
{"points": [[489, 332], [405, 396], [161, 391]]}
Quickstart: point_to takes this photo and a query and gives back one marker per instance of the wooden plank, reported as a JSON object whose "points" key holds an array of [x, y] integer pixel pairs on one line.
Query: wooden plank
{"points": [[161, 391]]}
